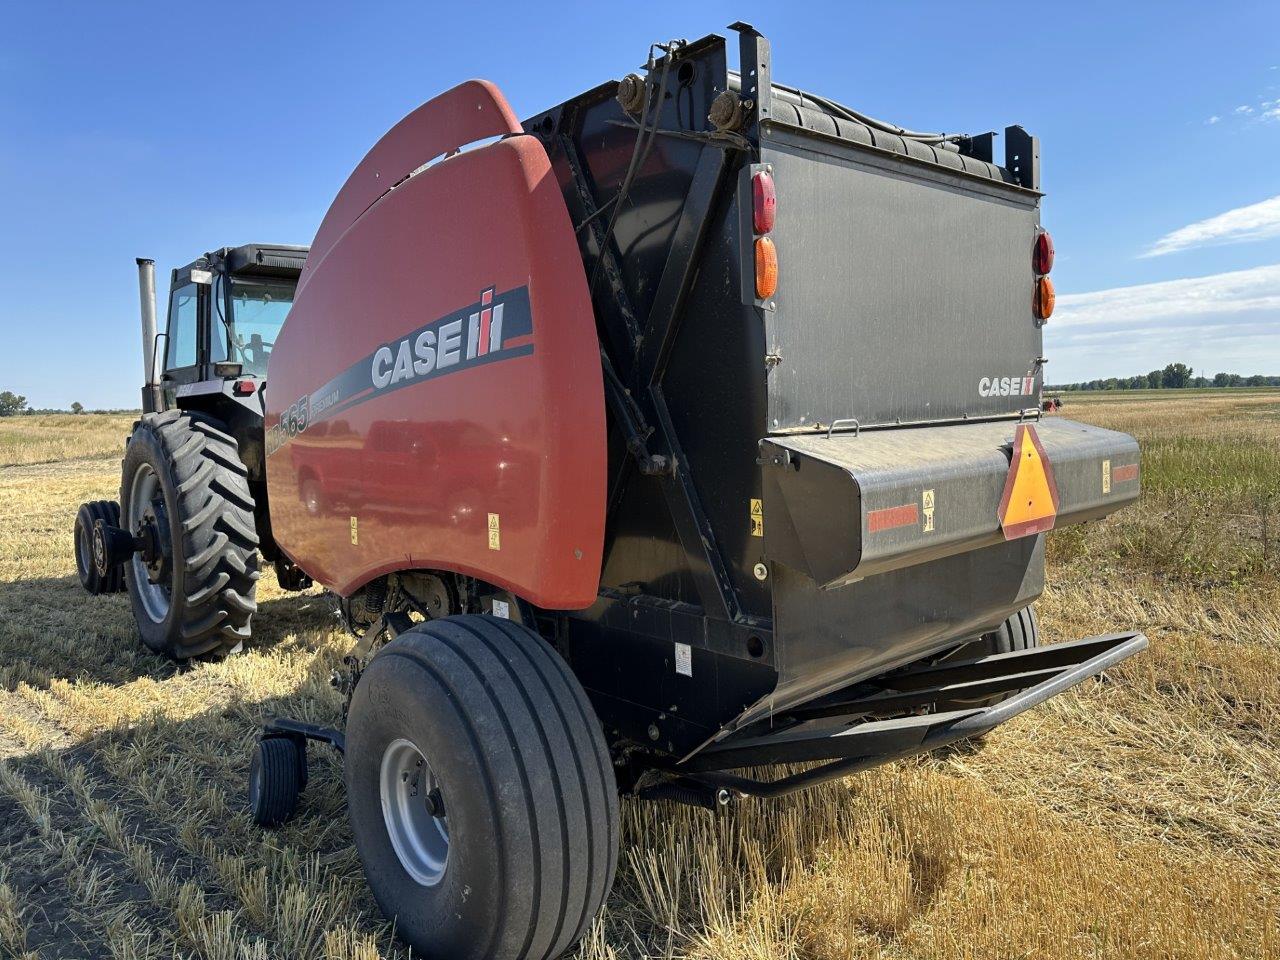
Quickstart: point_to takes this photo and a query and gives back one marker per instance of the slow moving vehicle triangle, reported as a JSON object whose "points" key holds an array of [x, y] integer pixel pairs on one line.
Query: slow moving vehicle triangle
{"points": [[1029, 504]]}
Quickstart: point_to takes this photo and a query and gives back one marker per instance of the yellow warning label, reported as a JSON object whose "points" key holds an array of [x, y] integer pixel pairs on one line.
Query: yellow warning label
{"points": [[926, 505], [757, 518], [1106, 476], [355, 532], [495, 535]]}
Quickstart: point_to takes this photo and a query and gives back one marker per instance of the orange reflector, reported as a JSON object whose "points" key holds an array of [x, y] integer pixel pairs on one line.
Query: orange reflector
{"points": [[766, 268], [1030, 500], [1044, 298]]}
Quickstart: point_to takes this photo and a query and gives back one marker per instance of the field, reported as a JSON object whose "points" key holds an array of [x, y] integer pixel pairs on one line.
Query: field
{"points": [[1138, 816]]}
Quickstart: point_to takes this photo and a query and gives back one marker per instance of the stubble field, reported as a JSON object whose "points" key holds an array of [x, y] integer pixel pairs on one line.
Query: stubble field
{"points": [[1138, 816]]}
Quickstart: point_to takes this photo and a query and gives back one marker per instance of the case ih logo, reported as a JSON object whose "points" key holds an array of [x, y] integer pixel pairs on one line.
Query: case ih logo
{"points": [[495, 328], [439, 346], [1006, 386]]}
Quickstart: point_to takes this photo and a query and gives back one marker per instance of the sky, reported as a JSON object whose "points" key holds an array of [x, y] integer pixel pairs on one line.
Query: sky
{"points": [[164, 131]]}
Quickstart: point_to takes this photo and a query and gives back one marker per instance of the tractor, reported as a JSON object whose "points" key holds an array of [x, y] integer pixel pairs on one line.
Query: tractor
{"points": [[192, 527], [681, 441]]}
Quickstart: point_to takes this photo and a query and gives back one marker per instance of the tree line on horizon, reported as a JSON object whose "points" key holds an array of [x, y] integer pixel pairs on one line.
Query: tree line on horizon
{"points": [[1175, 376], [13, 405]]}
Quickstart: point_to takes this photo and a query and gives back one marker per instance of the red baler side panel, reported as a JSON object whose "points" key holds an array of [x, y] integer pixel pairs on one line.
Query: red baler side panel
{"points": [[471, 111], [435, 396]]}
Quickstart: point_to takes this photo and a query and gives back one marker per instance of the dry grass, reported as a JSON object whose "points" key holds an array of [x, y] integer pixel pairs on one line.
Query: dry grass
{"points": [[1138, 817], [50, 438]]}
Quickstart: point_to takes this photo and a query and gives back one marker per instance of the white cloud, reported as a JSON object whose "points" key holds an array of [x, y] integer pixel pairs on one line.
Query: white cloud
{"points": [[1214, 119], [1257, 221], [1152, 305], [1244, 109], [1226, 321]]}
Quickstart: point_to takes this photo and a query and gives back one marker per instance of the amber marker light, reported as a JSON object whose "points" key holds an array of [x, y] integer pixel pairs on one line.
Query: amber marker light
{"points": [[766, 268]]}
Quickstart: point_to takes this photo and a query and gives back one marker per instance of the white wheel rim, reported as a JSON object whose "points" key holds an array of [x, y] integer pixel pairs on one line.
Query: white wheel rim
{"points": [[155, 597], [420, 839]]}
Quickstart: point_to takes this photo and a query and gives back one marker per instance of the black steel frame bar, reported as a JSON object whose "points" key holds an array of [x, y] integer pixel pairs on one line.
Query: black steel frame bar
{"points": [[896, 739]]}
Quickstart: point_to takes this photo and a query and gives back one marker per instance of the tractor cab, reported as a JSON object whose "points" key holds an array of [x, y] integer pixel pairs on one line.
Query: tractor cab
{"points": [[225, 309]]}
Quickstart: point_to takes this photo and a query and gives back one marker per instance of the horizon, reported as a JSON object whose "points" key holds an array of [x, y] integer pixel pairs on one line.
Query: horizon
{"points": [[115, 151]]}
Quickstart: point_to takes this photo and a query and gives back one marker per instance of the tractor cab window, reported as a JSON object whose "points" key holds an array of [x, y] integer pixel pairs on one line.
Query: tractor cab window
{"points": [[258, 308], [183, 328]]}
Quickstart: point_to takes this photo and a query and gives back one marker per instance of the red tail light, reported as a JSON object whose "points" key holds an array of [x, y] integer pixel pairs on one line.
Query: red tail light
{"points": [[1042, 253], [765, 202]]}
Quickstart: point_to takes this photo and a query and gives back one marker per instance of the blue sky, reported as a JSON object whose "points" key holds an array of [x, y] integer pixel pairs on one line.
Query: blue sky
{"points": [[140, 130]]}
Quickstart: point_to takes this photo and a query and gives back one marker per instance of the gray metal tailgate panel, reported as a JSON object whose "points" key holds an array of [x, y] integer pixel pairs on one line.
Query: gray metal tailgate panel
{"points": [[956, 471]]}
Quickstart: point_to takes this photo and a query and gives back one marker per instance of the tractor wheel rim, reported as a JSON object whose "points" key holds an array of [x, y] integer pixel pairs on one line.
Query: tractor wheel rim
{"points": [[419, 838], [84, 551], [155, 597]]}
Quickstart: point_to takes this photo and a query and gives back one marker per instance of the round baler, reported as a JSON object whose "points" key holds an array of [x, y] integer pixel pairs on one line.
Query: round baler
{"points": [[635, 463]]}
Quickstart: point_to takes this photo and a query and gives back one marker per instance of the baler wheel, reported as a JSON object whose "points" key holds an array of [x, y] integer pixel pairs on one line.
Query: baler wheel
{"points": [[107, 511], [481, 792], [1020, 632], [185, 491]]}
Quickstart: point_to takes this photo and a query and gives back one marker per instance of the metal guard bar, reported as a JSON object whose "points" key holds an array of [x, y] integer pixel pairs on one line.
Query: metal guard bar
{"points": [[922, 734]]}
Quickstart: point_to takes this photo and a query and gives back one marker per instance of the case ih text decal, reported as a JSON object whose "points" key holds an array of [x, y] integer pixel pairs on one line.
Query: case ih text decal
{"points": [[1006, 386], [480, 333]]}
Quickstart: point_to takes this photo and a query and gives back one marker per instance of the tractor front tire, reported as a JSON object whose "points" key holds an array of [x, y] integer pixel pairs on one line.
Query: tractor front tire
{"points": [[481, 792], [183, 475], [108, 511]]}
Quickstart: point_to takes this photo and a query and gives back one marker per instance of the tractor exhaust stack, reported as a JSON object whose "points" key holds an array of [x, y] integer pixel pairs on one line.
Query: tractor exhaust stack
{"points": [[147, 303]]}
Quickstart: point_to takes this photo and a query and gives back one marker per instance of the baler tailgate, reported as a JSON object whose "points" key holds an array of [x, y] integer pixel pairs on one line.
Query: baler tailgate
{"points": [[834, 728]]}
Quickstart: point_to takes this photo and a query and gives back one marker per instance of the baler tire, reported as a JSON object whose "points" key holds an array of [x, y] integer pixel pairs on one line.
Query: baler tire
{"points": [[276, 778], [509, 747], [1020, 632], [212, 585], [107, 511]]}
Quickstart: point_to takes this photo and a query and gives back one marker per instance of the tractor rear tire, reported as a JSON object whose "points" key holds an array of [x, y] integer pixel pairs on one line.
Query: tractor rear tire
{"points": [[108, 511], [481, 792], [185, 469]]}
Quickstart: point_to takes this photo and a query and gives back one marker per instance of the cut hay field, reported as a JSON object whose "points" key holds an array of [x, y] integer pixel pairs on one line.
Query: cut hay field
{"points": [[1138, 816]]}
